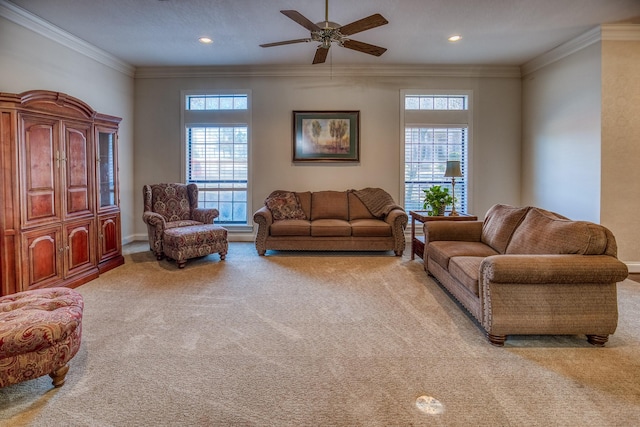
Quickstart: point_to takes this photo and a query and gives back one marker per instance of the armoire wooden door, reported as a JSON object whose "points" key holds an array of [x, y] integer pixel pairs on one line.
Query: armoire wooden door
{"points": [[40, 157]]}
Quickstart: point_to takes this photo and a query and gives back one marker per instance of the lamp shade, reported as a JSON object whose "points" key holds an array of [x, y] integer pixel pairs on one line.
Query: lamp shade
{"points": [[453, 169]]}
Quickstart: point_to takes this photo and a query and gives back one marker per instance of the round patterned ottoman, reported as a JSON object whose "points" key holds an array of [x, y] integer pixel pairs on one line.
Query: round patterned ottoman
{"points": [[183, 243], [40, 331]]}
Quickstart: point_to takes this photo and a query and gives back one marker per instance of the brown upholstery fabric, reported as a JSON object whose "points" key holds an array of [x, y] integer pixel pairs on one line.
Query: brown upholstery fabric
{"points": [[330, 228], [329, 205], [465, 269], [291, 227], [357, 209], [370, 228], [499, 225], [443, 250], [541, 233], [305, 202]]}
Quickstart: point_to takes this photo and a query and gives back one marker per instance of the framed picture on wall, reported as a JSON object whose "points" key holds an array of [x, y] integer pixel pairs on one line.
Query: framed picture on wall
{"points": [[326, 136]]}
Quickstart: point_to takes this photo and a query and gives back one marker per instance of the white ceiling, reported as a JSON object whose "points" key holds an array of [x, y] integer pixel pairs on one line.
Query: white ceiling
{"points": [[165, 32]]}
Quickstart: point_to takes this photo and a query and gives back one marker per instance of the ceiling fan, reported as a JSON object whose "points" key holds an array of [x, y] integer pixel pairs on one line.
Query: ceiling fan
{"points": [[327, 32]]}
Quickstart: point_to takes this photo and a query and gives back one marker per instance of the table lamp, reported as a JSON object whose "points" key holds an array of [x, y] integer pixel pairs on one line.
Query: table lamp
{"points": [[453, 171]]}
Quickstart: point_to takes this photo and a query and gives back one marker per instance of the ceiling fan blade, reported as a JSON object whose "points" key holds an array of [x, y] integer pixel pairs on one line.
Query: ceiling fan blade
{"points": [[300, 19], [321, 55], [363, 24], [364, 47], [285, 42]]}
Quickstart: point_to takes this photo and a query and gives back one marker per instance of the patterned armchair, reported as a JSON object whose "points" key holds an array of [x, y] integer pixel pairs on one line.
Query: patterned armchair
{"points": [[168, 206]]}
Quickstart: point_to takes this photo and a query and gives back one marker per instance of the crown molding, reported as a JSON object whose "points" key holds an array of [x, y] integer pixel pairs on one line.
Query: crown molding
{"points": [[611, 32], [621, 32], [582, 41], [330, 71], [36, 24]]}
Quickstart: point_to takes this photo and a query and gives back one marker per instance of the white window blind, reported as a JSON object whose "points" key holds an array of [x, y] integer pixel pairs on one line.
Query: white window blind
{"points": [[427, 150]]}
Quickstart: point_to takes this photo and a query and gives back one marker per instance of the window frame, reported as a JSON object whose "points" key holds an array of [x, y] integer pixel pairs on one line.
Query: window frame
{"points": [[437, 119], [218, 118]]}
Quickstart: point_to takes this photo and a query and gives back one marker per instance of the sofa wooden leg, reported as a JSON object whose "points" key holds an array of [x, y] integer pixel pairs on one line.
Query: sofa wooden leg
{"points": [[223, 255], [182, 263], [597, 340], [58, 376], [398, 253], [497, 340]]}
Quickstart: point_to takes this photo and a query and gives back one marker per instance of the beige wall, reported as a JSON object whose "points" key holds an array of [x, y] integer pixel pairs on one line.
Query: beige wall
{"points": [[561, 136], [494, 172], [581, 137], [620, 199], [31, 61]]}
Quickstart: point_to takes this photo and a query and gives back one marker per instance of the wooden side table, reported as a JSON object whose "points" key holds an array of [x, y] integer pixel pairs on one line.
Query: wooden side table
{"points": [[417, 242]]}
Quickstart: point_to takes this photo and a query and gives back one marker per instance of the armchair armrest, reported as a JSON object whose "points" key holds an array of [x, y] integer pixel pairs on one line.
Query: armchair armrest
{"points": [[154, 219], [465, 231], [552, 269], [205, 216]]}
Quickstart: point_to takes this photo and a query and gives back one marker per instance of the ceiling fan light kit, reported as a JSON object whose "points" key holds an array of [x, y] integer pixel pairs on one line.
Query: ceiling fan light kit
{"points": [[327, 32]]}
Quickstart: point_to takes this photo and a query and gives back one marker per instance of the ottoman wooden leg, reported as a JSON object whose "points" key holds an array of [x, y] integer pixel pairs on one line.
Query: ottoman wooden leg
{"points": [[182, 263], [59, 375]]}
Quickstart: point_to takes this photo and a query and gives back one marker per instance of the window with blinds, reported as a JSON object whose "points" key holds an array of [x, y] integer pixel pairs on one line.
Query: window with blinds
{"points": [[427, 150], [435, 130], [217, 153]]}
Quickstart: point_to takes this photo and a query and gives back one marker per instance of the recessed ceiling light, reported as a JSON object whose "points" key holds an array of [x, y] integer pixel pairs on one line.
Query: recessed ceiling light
{"points": [[205, 40], [455, 38]]}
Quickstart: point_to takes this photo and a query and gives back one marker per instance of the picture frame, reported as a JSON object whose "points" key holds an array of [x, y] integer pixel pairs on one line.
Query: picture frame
{"points": [[326, 136]]}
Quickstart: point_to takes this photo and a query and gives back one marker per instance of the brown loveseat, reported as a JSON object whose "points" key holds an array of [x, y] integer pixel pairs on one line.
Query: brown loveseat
{"points": [[528, 271], [352, 220]]}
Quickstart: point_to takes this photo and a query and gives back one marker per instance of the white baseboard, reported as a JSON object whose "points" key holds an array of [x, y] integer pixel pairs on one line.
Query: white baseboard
{"points": [[634, 266]]}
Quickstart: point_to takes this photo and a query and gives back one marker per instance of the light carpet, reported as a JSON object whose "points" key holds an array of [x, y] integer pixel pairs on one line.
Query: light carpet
{"points": [[317, 339]]}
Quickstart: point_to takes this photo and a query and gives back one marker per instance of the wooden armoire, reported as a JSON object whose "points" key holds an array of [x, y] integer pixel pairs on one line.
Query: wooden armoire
{"points": [[59, 201]]}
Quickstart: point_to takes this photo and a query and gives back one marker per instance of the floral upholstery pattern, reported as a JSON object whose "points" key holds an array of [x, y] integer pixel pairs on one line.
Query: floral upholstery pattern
{"points": [[183, 243], [284, 205], [169, 206], [40, 331]]}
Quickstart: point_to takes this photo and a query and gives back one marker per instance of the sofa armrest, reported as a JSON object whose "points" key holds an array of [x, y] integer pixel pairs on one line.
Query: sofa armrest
{"points": [[552, 269], [398, 220], [205, 216], [465, 231], [264, 219]]}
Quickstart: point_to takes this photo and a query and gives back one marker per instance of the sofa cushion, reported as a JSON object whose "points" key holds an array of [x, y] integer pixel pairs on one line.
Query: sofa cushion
{"points": [[544, 233], [357, 209], [329, 205], [441, 251], [499, 225], [305, 202], [465, 269], [291, 227], [370, 228], [284, 205], [330, 228]]}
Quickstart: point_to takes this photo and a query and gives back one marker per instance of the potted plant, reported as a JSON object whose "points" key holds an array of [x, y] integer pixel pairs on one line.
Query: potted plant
{"points": [[437, 199]]}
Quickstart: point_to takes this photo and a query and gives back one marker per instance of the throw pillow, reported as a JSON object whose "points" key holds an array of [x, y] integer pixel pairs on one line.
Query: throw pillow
{"points": [[284, 205]]}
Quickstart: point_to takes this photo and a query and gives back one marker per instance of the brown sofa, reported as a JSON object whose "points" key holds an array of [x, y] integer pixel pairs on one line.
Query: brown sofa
{"points": [[352, 220], [528, 271]]}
